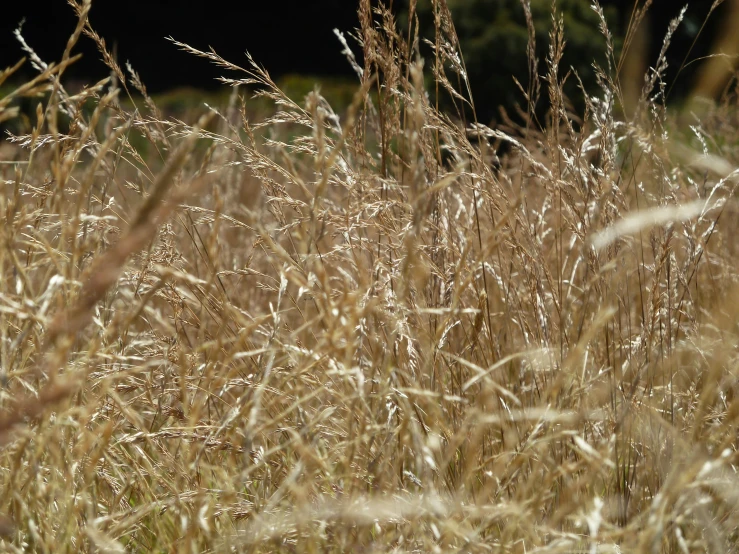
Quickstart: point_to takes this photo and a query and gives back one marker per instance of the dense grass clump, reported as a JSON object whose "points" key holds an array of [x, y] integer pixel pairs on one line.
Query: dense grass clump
{"points": [[382, 329]]}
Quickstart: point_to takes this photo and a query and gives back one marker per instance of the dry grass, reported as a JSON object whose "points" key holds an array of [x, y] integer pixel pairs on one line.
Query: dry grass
{"points": [[367, 332]]}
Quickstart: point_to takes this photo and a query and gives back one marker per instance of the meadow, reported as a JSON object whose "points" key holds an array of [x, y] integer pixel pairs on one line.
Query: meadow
{"points": [[379, 328]]}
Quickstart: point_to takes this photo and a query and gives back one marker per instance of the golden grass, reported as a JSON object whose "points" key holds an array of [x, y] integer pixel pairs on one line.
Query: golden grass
{"points": [[370, 331]]}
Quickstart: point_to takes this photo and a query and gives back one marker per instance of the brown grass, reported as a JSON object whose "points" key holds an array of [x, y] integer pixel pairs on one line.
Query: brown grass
{"points": [[370, 331]]}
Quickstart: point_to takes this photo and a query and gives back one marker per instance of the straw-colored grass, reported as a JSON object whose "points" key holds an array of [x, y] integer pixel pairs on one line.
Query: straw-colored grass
{"points": [[377, 330]]}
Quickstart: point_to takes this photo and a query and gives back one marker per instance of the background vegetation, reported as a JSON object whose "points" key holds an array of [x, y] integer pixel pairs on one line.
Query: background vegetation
{"points": [[305, 330], [494, 36]]}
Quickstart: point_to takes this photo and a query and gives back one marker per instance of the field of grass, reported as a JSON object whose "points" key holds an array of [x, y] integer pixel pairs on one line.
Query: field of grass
{"points": [[375, 329]]}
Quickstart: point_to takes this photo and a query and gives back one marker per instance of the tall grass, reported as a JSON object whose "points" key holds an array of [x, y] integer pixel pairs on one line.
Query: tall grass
{"points": [[378, 330]]}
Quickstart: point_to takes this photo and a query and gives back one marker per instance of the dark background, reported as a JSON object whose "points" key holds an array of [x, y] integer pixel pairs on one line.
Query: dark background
{"points": [[285, 36]]}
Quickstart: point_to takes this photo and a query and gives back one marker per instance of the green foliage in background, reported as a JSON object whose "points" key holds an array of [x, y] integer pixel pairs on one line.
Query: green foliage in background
{"points": [[494, 38]]}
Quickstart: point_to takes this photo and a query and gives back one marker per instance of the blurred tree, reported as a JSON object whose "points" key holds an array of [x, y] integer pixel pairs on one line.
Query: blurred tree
{"points": [[493, 37]]}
